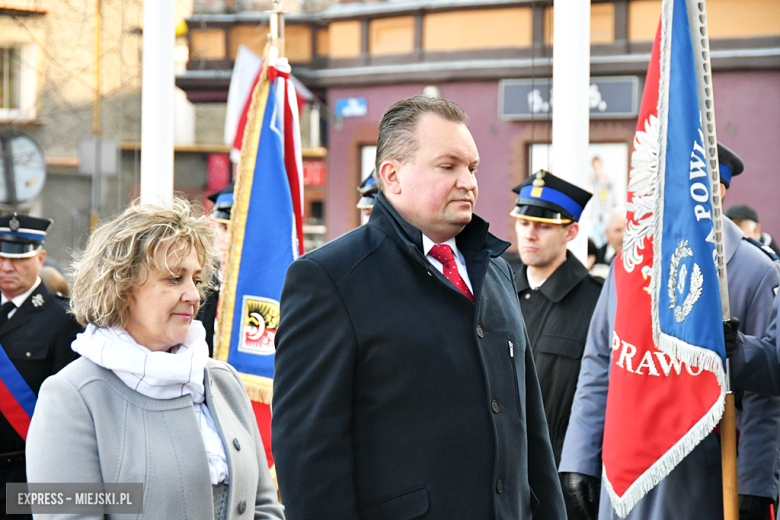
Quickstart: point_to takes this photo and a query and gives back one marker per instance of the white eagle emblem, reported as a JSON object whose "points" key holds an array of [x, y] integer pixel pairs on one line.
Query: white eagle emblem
{"points": [[641, 187], [37, 300]]}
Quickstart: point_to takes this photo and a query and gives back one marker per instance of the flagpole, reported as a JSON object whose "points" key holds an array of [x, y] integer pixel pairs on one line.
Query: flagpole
{"points": [[697, 17], [276, 38]]}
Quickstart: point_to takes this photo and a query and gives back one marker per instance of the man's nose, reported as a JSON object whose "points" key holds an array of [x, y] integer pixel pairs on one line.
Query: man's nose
{"points": [[467, 180]]}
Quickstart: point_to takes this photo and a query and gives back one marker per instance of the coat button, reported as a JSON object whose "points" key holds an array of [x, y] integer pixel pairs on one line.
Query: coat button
{"points": [[500, 486], [494, 406], [28, 354], [237, 444], [527, 296], [242, 507], [480, 332]]}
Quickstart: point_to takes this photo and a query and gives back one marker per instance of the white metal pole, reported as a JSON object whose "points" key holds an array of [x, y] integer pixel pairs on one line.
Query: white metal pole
{"points": [[157, 102], [571, 100]]}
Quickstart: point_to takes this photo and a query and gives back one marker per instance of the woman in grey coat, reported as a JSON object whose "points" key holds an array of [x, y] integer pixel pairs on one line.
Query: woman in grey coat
{"points": [[145, 403]]}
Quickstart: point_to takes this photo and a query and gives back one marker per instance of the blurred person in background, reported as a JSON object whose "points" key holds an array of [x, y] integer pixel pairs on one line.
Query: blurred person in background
{"points": [[35, 333], [220, 214], [144, 403], [616, 225], [747, 219], [368, 190], [55, 282]]}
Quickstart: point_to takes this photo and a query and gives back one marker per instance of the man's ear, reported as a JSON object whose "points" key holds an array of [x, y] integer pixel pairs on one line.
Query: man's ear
{"points": [[388, 170], [41, 257], [572, 230]]}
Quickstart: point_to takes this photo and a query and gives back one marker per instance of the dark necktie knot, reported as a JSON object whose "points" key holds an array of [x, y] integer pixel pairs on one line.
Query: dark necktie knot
{"points": [[5, 310]]}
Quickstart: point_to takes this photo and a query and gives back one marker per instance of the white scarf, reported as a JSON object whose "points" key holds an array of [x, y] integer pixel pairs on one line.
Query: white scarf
{"points": [[161, 375]]}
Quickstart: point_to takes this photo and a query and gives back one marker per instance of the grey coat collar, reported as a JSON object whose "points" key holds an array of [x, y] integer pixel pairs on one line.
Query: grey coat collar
{"points": [[732, 236]]}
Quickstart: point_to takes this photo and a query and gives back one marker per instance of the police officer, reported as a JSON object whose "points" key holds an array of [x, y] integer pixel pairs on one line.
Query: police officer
{"points": [[220, 213], [557, 295], [35, 333], [693, 490], [368, 190]]}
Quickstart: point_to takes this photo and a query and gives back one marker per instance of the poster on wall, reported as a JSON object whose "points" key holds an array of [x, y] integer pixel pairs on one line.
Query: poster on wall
{"points": [[607, 169]]}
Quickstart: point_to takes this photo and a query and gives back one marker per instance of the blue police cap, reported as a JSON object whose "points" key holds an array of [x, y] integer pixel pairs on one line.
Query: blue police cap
{"points": [[546, 198], [223, 203], [368, 190], [730, 165], [22, 235]]}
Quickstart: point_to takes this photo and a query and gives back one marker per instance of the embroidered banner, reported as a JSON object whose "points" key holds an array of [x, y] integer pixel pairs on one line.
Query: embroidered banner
{"points": [[667, 381], [266, 236]]}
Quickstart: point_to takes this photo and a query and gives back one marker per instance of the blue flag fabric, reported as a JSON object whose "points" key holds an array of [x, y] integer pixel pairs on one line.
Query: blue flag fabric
{"points": [[688, 295]]}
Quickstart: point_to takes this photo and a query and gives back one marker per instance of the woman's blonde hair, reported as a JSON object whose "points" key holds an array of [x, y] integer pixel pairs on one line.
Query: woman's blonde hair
{"points": [[121, 253]]}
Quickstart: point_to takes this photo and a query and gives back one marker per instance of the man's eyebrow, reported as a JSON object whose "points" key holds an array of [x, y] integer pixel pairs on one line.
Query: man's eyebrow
{"points": [[455, 157]]}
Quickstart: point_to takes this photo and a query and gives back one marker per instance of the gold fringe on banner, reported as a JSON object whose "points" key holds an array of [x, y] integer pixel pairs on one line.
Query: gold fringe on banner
{"points": [[260, 389], [242, 191]]}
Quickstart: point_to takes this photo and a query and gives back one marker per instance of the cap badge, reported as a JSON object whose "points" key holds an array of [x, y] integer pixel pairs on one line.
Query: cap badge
{"points": [[13, 224], [37, 300], [539, 181]]}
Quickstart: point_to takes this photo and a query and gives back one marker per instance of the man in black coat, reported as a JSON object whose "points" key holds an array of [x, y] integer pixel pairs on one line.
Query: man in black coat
{"points": [[35, 332], [557, 295], [417, 398]]}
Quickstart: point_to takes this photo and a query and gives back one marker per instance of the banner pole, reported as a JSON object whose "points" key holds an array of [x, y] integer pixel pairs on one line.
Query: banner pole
{"points": [[697, 17], [276, 20]]}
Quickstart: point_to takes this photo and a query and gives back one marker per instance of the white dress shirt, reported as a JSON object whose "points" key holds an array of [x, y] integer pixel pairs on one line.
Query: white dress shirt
{"points": [[459, 260]]}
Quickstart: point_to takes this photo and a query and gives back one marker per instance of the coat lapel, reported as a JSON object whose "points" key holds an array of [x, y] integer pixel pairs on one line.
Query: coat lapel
{"points": [[23, 314]]}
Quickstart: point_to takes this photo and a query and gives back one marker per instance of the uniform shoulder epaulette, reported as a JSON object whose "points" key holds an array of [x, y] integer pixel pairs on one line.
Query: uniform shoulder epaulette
{"points": [[766, 249]]}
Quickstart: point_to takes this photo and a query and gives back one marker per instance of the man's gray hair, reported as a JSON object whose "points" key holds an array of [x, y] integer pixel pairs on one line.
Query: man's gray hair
{"points": [[397, 138]]}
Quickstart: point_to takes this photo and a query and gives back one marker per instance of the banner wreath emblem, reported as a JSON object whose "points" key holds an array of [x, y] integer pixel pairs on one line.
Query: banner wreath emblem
{"points": [[677, 277]]}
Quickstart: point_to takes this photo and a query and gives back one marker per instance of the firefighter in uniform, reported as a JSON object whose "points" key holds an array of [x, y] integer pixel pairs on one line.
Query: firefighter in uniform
{"points": [[368, 190], [35, 333], [557, 295]]}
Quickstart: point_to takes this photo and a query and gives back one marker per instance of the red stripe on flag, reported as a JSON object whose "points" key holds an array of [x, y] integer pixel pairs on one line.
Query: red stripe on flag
{"points": [[239, 139], [263, 417], [13, 412], [291, 165]]}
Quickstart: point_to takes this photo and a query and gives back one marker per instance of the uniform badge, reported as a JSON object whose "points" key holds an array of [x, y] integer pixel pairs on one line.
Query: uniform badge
{"points": [[259, 319], [13, 224], [37, 300]]}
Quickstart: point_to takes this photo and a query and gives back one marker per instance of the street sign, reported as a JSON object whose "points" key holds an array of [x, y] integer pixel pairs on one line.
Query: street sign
{"points": [[615, 97], [351, 107]]}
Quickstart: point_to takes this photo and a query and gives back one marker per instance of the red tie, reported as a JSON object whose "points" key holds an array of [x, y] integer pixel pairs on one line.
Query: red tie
{"points": [[443, 254]]}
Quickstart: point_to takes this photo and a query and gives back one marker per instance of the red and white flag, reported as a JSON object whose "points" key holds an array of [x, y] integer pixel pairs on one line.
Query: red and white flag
{"points": [[246, 74]]}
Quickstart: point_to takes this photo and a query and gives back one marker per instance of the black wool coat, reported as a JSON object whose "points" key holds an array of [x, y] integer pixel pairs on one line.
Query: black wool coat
{"points": [[557, 315], [395, 397], [37, 340]]}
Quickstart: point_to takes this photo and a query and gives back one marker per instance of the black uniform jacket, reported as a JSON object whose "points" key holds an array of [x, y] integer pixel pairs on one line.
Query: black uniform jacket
{"points": [[207, 315], [557, 315], [395, 397], [37, 340]]}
